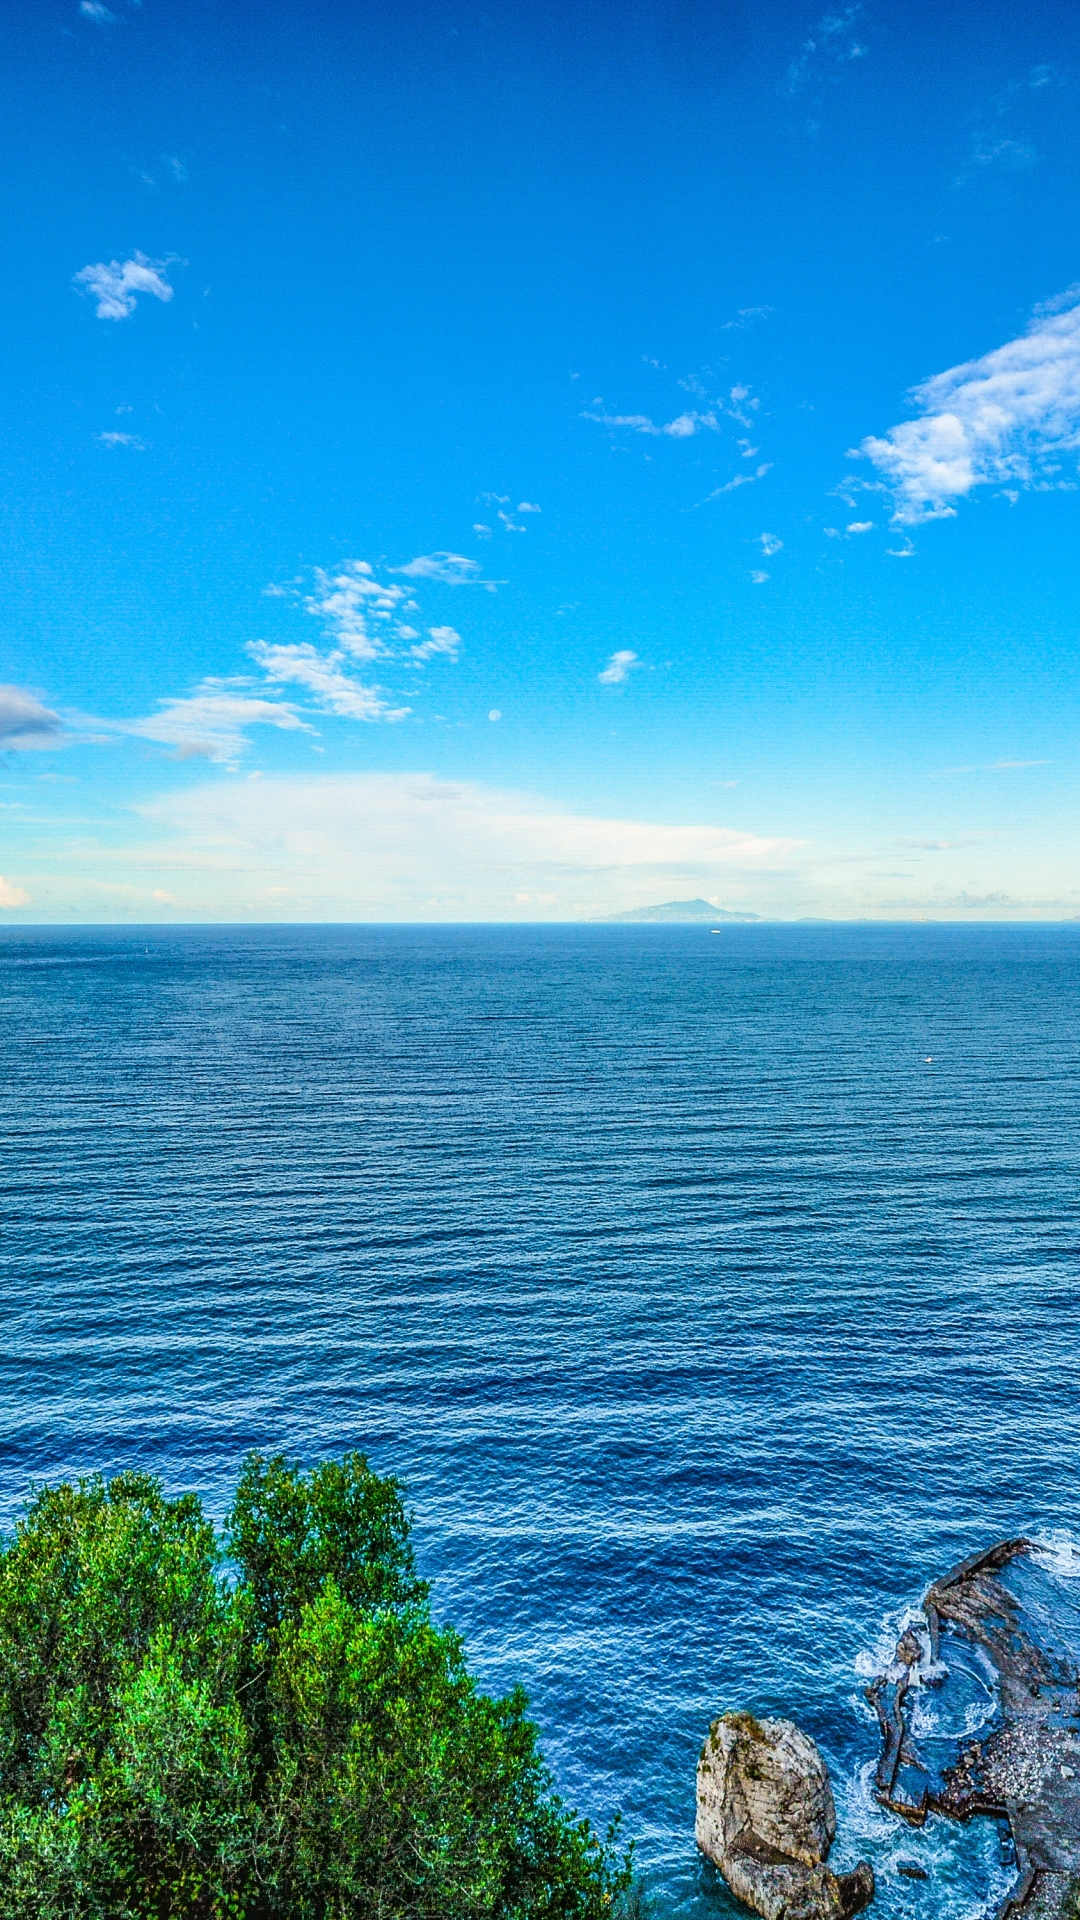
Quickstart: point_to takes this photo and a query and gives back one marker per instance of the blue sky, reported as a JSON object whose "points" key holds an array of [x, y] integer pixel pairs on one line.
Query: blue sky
{"points": [[522, 461]]}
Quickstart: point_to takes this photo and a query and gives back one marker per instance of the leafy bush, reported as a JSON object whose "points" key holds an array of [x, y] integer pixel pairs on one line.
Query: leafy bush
{"points": [[285, 1735]]}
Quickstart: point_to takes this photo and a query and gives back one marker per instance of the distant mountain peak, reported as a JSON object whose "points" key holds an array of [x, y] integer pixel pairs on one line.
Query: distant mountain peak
{"points": [[680, 910]]}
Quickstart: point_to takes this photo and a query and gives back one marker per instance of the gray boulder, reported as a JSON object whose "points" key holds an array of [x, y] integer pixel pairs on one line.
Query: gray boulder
{"points": [[765, 1817]]}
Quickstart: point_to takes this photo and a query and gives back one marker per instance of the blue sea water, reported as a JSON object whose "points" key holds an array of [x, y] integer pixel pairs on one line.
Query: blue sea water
{"points": [[711, 1293]]}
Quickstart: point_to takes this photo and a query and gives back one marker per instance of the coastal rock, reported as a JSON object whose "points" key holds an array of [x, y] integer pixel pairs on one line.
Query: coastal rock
{"points": [[766, 1819], [1004, 1612]]}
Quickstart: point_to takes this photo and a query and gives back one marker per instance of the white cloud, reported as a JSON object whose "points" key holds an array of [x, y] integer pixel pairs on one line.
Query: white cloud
{"points": [[484, 532], [115, 286], [745, 316], [769, 543], [25, 722], [758, 577], [1010, 416], [1013, 155], [618, 668], [363, 619], [211, 723], [832, 43], [325, 678], [451, 568], [681, 428], [384, 845], [739, 480], [992, 766], [123, 440], [348, 601], [11, 895], [93, 10], [440, 640], [859, 526], [528, 506]]}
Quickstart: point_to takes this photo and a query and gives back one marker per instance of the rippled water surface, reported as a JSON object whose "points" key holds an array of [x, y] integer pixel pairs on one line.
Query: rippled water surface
{"points": [[711, 1292]]}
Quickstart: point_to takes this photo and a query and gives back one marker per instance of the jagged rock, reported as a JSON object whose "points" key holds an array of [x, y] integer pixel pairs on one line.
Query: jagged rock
{"points": [[765, 1817], [1025, 1765]]}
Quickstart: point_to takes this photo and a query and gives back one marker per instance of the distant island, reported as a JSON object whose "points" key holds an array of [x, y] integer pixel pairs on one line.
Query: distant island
{"points": [[681, 910]]}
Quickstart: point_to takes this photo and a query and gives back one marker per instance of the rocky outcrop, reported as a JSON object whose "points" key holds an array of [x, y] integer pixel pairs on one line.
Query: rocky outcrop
{"points": [[766, 1819], [1007, 1609]]}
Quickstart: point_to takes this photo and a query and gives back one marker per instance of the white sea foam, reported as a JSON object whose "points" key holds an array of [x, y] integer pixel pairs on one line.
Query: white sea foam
{"points": [[929, 1719], [966, 1877], [879, 1661], [1058, 1553]]}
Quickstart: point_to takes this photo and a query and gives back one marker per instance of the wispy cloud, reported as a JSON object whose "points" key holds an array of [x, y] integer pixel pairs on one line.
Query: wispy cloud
{"points": [[356, 609], [738, 480], [131, 440], [211, 723], [618, 668], [504, 509], [93, 10], [943, 846], [440, 641], [683, 427], [993, 148], [25, 723], [1007, 418], [453, 569], [746, 317], [737, 404], [11, 895], [991, 766], [325, 678], [1011, 155], [115, 285], [833, 43], [758, 577], [769, 543], [364, 618]]}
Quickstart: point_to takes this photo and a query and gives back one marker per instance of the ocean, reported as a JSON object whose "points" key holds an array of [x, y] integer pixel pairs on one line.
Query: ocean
{"points": [[710, 1292]]}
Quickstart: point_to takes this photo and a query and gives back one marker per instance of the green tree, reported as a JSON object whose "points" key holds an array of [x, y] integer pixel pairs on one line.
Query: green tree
{"points": [[285, 1735]]}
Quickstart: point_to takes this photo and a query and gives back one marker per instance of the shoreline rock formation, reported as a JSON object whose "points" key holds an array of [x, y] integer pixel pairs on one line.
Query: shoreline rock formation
{"points": [[1001, 1644], [766, 1819]]}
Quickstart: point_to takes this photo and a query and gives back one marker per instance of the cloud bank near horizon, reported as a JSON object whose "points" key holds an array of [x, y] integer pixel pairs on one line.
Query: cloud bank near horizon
{"points": [[411, 846]]}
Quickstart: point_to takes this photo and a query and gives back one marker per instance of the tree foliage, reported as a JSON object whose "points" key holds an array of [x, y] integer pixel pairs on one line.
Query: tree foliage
{"points": [[282, 1734]]}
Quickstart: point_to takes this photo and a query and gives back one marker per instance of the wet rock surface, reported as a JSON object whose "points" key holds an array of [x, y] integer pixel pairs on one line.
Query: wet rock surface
{"points": [[766, 1819], [999, 1647]]}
